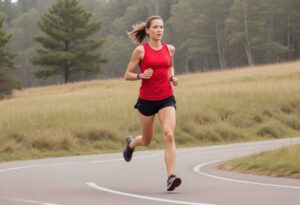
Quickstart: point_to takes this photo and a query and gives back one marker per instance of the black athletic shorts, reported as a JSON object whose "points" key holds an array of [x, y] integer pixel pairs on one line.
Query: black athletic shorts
{"points": [[151, 107]]}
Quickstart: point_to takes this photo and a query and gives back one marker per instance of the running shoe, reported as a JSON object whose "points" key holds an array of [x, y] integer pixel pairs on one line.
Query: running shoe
{"points": [[173, 182], [127, 153]]}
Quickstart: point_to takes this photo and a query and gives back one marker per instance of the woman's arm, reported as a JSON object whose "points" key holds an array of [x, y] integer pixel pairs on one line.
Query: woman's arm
{"points": [[136, 56], [173, 79]]}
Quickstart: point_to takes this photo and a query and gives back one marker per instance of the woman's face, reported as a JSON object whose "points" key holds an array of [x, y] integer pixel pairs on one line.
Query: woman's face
{"points": [[156, 29]]}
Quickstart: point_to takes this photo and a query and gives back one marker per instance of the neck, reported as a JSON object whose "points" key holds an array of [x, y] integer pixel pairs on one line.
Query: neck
{"points": [[156, 44]]}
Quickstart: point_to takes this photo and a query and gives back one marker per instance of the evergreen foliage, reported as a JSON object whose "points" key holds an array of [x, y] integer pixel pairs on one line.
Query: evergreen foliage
{"points": [[66, 49], [207, 34], [7, 81]]}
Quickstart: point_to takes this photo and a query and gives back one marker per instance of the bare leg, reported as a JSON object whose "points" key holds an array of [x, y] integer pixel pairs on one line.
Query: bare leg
{"points": [[147, 132], [167, 118]]}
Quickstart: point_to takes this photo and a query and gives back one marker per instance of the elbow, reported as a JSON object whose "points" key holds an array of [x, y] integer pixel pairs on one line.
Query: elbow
{"points": [[126, 76]]}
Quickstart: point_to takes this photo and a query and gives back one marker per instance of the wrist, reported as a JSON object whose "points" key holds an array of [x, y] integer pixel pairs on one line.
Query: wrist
{"points": [[172, 78], [138, 76]]}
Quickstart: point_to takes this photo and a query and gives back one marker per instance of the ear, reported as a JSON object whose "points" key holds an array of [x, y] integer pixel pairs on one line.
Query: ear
{"points": [[147, 31]]}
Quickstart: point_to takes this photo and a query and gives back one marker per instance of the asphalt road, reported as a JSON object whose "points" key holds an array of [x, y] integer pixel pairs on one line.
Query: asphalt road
{"points": [[107, 179]]}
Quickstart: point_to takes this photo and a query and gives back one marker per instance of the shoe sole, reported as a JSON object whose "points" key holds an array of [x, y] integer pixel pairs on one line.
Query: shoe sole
{"points": [[174, 184]]}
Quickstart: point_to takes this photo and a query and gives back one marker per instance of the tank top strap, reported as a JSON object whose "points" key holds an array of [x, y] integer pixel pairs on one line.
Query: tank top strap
{"points": [[167, 50], [165, 45]]}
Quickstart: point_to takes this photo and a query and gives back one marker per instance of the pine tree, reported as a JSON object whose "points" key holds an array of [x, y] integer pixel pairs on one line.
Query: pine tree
{"points": [[66, 49], [7, 81]]}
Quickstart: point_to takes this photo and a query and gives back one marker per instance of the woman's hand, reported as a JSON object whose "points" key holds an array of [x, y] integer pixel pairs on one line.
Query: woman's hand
{"points": [[174, 80], [147, 74]]}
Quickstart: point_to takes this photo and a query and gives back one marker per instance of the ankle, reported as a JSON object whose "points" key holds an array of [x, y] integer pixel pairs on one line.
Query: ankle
{"points": [[171, 175], [131, 144]]}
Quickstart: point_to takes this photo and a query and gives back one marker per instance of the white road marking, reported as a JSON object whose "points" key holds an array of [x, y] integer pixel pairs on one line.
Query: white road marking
{"points": [[28, 167], [95, 186], [28, 201], [121, 159], [36, 166], [198, 167], [66, 163], [18, 168], [60, 164]]}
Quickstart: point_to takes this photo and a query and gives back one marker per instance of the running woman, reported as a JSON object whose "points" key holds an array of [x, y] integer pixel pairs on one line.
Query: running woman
{"points": [[155, 60]]}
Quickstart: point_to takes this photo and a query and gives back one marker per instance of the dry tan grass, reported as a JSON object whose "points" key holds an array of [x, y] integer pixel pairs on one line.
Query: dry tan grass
{"points": [[215, 107]]}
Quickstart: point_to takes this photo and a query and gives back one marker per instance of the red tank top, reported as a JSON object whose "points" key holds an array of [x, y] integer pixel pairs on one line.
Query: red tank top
{"points": [[158, 87]]}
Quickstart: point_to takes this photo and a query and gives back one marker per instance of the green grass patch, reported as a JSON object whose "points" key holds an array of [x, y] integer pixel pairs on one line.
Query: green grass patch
{"points": [[284, 162]]}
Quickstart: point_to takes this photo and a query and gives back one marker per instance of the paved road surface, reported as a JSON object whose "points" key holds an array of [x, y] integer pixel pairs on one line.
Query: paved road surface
{"points": [[106, 179]]}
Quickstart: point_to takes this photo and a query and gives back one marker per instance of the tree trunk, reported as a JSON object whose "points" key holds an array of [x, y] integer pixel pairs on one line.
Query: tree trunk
{"points": [[288, 36], [66, 75], [220, 35], [66, 66], [187, 62], [157, 7], [247, 43], [221, 62], [221, 41]]}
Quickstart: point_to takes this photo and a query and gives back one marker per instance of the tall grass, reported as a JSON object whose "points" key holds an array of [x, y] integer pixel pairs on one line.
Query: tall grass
{"points": [[243, 104]]}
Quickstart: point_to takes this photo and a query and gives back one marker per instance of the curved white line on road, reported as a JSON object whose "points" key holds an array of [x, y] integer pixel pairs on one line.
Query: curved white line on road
{"points": [[121, 159], [29, 167], [36, 166], [198, 167], [137, 196], [28, 201], [18, 168], [74, 162], [95, 186], [59, 164]]}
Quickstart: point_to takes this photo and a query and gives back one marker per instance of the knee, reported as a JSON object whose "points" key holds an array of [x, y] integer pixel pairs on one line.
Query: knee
{"points": [[169, 137]]}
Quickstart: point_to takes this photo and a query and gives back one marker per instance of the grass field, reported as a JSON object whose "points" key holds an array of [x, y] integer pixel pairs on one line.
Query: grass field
{"points": [[237, 105], [284, 162]]}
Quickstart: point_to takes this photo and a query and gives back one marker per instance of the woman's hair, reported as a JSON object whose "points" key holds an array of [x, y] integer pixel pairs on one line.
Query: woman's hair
{"points": [[138, 33]]}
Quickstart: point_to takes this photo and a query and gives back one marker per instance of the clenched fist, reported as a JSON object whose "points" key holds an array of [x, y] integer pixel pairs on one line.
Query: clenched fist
{"points": [[174, 80], [147, 73]]}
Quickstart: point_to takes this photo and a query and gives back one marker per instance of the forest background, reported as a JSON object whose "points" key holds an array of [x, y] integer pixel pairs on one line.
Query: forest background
{"points": [[207, 34]]}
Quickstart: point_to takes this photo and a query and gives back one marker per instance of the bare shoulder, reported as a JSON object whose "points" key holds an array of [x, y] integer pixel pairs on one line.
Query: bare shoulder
{"points": [[138, 52], [139, 48], [171, 48]]}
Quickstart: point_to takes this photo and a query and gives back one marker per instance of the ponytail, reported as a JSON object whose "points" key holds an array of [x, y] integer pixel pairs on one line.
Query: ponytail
{"points": [[138, 34]]}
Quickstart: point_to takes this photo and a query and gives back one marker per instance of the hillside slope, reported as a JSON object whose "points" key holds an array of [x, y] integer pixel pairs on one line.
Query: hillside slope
{"points": [[237, 105]]}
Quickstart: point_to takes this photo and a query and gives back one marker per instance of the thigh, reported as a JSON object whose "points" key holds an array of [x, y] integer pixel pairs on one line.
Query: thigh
{"points": [[146, 125], [167, 118]]}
